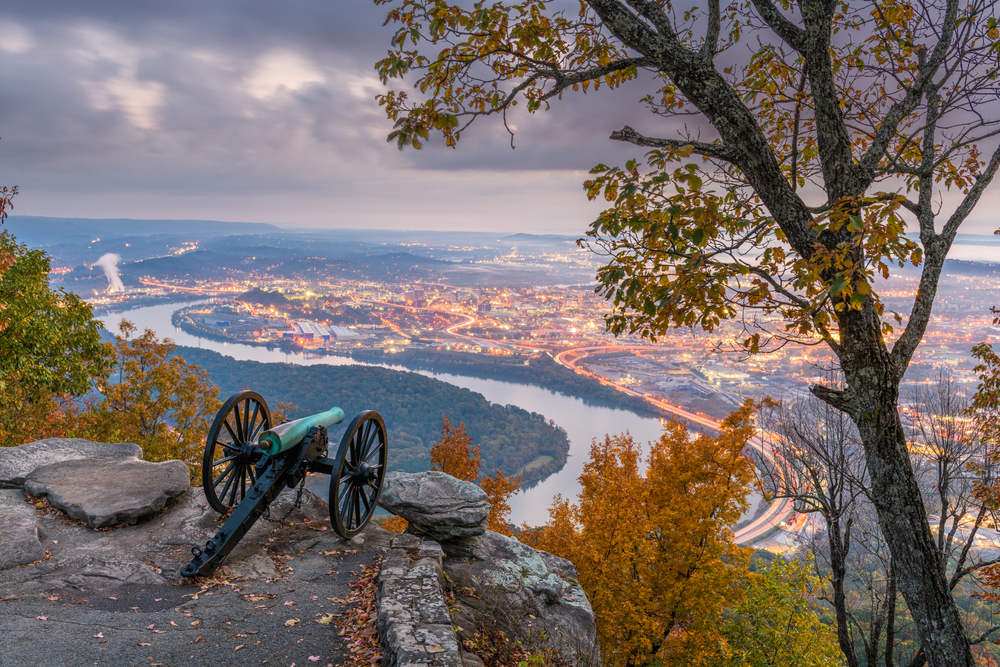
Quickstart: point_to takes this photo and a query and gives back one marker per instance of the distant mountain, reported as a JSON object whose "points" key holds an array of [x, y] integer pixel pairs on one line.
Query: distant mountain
{"points": [[958, 267], [539, 238], [43, 231]]}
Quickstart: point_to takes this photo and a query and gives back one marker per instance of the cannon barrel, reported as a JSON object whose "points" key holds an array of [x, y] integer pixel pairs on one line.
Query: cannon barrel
{"points": [[285, 436]]}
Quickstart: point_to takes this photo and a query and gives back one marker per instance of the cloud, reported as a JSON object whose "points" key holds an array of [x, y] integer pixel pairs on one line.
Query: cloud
{"points": [[279, 71], [254, 110], [15, 38]]}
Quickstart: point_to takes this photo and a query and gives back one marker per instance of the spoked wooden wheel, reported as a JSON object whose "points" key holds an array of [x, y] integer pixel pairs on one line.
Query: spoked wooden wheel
{"points": [[231, 452], [356, 483]]}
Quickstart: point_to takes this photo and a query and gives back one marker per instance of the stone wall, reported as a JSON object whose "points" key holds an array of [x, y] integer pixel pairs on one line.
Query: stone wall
{"points": [[493, 581]]}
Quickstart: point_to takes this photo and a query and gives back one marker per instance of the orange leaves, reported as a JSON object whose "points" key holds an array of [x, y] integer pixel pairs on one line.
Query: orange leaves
{"points": [[500, 489], [654, 550], [454, 454]]}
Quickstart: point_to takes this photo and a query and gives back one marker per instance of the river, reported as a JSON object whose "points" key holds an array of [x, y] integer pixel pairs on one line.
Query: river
{"points": [[582, 422]]}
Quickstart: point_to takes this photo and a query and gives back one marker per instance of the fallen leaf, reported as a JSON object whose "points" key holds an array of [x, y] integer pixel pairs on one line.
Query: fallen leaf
{"points": [[99, 635], [151, 626], [197, 640], [144, 644], [326, 620], [317, 526], [53, 598], [157, 599], [331, 552], [173, 624], [290, 622], [42, 618], [290, 603], [195, 622], [238, 648], [111, 597], [314, 658], [160, 632]]}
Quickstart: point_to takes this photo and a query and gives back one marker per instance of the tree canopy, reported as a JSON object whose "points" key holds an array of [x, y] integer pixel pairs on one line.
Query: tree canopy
{"points": [[831, 134], [50, 345]]}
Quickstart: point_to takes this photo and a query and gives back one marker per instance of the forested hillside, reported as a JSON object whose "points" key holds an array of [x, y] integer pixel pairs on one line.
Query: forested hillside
{"points": [[411, 404]]}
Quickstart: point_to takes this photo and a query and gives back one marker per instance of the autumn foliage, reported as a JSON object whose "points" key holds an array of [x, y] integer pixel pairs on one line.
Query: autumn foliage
{"points": [[654, 548], [152, 398], [455, 455]]}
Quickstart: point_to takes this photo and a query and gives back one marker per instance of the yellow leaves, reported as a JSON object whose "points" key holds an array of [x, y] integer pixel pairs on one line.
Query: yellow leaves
{"points": [[654, 548]]}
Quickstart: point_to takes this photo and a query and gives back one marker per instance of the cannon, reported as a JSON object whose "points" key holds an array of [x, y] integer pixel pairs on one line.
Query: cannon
{"points": [[248, 461]]}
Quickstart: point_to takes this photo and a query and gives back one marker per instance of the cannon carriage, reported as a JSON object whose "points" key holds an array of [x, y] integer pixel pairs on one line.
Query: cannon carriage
{"points": [[249, 460]]}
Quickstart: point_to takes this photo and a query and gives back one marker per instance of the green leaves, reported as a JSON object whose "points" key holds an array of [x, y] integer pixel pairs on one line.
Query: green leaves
{"points": [[49, 341]]}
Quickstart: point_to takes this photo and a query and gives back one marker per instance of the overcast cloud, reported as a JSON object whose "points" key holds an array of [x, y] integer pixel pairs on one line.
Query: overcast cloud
{"points": [[266, 111]]}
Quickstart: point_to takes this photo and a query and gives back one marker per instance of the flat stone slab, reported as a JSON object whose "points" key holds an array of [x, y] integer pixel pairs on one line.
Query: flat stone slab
{"points": [[19, 533], [440, 506], [16, 463], [105, 492], [248, 561]]}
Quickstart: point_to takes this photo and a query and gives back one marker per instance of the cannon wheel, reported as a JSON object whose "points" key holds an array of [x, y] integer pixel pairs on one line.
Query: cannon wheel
{"points": [[231, 452], [356, 482]]}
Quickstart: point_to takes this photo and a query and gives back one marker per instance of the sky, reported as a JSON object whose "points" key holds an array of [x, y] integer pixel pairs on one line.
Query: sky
{"points": [[262, 111]]}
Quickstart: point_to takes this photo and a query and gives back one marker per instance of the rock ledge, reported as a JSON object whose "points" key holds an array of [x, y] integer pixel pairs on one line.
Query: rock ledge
{"points": [[105, 492]]}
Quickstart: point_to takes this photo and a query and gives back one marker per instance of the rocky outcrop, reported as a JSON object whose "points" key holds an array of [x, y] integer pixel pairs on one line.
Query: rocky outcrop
{"points": [[104, 491], [497, 582], [19, 532], [17, 462], [527, 593], [436, 504]]}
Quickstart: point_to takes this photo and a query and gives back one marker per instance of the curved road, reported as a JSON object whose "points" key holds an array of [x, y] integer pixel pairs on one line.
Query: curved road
{"points": [[569, 358], [756, 528]]}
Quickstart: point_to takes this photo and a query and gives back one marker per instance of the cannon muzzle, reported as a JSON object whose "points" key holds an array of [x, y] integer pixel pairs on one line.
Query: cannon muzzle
{"points": [[285, 436]]}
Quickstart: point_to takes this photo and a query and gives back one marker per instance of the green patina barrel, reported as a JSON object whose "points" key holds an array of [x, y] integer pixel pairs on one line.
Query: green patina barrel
{"points": [[285, 436]]}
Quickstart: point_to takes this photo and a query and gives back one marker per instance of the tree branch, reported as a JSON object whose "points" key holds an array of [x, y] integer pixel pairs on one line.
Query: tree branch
{"points": [[785, 29], [934, 258], [711, 45], [714, 150], [902, 108], [564, 81]]}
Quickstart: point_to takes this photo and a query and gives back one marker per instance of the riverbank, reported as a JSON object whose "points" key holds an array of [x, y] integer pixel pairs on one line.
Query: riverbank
{"points": [[541, 371], [510, 438]]}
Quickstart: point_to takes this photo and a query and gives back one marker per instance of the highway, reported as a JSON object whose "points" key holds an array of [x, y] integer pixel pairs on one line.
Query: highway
{"points": [[569, 359], [759, 526]]}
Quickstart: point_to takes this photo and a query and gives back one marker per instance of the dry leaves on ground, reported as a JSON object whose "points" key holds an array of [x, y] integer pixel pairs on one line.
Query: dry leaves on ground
{"points": [[357, 623]]}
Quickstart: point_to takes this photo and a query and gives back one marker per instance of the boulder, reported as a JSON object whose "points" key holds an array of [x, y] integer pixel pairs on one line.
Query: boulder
{"points": [[531, 595], [19, 532], [17, 462], [436, 504], [108, 491]]}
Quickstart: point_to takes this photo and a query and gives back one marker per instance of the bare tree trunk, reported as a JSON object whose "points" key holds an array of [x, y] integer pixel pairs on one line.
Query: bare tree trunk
{"points": [[890, 621], [873, 378], [838, 563]]}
